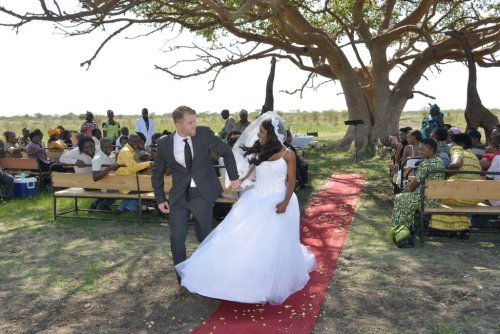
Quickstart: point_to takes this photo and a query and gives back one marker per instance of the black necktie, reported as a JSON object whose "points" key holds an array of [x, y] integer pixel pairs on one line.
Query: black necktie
{"points": [[188, 156]]}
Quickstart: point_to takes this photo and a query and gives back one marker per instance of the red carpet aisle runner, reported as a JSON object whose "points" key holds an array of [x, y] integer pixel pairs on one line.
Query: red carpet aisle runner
{"points": [[324, 226]]}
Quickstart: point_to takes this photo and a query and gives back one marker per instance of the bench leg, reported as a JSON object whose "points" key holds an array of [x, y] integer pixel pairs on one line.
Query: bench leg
{"points": [[76, 204], [422, 224], [55, 207]]}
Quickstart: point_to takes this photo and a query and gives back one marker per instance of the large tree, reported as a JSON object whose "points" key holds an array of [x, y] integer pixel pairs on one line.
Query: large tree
{"points": [[377, 50]]}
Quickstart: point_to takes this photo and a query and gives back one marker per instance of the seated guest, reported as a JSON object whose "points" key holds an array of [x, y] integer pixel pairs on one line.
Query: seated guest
{"points": [[144, 152], [2, 149], [494, 167], [443, 150], [80, 156], [411, 150], [123, 133], [408, 201], [131, 167], [25, 139], [11, 148], [55, 144], [35, 150], [7, 181], [476, 147], [66, 138], [492, 150], [462, 159], [403, 142], [154, 141], [301, 165], [96, 136], [103, 163]]}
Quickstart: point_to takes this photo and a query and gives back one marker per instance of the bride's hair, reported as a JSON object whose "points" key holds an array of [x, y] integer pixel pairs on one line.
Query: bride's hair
{"points": [[270, 148]]}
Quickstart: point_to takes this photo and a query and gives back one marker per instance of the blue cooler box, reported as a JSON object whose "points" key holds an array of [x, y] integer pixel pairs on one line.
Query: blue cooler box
{"points": [[24, 187]]}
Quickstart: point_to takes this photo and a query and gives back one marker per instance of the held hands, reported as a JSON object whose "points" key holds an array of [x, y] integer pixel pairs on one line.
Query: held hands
{"points": [[164, 207], [281, 207], [235, 185]]}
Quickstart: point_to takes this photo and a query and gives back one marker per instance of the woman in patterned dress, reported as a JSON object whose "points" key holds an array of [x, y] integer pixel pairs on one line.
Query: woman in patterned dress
{"points": [[463, 159], [406, 203]]}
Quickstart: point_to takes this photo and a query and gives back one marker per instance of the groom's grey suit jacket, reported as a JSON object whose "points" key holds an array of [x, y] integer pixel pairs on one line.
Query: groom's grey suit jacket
{"points": [[202, 170]]}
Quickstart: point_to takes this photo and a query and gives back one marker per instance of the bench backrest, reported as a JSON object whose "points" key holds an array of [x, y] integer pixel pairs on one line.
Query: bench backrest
{"points": [[462, 189], [18, 163], [113, 181]]}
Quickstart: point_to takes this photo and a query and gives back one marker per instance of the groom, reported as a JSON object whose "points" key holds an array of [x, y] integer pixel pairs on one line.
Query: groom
{"points": [[195, 185]]}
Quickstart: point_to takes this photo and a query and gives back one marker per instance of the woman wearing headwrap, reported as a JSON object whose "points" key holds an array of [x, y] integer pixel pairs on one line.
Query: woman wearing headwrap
{"points": [[55, 144]]}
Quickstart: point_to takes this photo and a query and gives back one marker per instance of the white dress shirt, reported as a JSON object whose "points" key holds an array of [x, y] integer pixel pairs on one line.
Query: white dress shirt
{"points": [[73, 155], [179, 151]]}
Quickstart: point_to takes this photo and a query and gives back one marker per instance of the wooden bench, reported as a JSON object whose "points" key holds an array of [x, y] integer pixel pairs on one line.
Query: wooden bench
{"points": [[24, 165], [458, 189], [83, 186]]}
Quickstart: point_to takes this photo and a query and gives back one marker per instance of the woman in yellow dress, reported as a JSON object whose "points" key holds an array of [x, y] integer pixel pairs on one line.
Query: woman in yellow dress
{"points": [[462, 159]]}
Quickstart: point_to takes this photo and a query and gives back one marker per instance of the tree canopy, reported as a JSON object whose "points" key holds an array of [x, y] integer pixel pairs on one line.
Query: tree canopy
{"points": [[378, 50]]}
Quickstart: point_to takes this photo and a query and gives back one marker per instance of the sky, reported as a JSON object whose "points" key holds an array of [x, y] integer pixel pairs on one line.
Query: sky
{"points": [[40, 73]]}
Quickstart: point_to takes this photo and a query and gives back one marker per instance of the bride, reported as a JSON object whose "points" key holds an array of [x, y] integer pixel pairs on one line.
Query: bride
{"points": [[255, 255]]}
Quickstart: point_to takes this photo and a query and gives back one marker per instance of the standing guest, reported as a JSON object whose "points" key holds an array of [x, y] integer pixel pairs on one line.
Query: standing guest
{"points": [[229, 123], [476, 146], [55, 144], [145, 125], [88, 125], [434, 119], [195, 185], [25, 139], [462, 159], [123, 133], [242, 124], [12, 149], [130, 167], [7, 181], [96, 136], [80, 156], [103, 162], [111, 128]]}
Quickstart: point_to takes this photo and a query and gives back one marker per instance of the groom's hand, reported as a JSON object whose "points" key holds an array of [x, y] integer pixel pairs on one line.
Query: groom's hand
{"points": [[164, 207], [235, 185]]}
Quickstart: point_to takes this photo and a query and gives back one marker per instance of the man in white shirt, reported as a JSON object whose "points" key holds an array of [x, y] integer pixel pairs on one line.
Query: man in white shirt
{"points": [[145, 125], [81, 156], [103, 163], [229, 123]]}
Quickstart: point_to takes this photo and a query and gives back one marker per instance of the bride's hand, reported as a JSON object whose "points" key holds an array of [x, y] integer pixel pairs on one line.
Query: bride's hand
{"points": [[281, 207], [235, 185]]}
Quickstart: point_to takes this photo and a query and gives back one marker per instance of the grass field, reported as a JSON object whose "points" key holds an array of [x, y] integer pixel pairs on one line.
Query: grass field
{"points": [[90, 276]]}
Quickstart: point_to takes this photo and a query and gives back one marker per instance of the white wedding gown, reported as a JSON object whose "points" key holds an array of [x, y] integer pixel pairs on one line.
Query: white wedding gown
{"points": [[254, 255]]}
